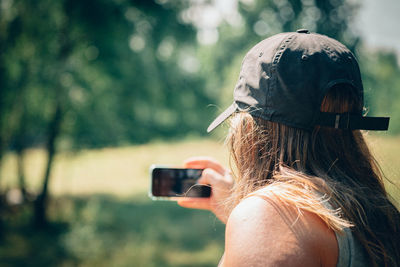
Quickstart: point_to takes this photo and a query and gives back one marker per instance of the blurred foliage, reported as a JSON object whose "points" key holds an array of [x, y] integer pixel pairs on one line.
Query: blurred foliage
{"points": [[111, 232], [133, 71], [381, 77], [113, 65]]}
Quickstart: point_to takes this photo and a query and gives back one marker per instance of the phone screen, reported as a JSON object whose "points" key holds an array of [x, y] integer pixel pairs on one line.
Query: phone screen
{"points": [[176, 182]]}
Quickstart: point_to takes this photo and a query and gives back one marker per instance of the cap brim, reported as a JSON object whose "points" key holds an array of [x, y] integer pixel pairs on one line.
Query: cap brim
{"points": [[222, 117]]}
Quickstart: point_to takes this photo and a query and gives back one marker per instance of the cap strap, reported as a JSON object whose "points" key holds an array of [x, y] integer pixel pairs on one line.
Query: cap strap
{"points": [[352, 121]]}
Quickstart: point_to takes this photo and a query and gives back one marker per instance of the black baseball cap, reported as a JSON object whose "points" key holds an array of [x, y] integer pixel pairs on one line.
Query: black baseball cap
{"points": [[284, 79]]}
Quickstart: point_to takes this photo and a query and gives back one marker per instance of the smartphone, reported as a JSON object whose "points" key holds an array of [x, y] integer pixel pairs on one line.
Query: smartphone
{"points": [[170, 183]]}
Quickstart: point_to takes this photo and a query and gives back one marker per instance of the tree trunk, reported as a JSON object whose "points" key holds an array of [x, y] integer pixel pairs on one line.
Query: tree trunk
{"points": [[40, 216], [2, 204], [21, 145], [21, 173]]}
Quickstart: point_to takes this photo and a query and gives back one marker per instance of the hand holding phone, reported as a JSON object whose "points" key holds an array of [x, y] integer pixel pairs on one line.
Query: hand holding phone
{"points": [[221, 182]]}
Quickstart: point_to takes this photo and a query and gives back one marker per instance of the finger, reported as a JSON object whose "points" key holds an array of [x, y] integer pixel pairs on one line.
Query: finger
{"points": [[195, 203], [210, 176], [203, 163]]}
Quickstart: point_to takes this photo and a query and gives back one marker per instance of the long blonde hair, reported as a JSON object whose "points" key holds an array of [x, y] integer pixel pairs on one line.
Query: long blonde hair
{"points": [[306, 169]]}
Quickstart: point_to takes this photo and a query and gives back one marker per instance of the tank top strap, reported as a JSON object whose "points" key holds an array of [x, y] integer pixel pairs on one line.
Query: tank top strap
{"points": [[350, 252], [345, 240]]}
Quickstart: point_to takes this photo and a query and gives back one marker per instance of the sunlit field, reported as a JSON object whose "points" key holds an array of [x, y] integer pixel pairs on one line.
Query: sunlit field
{"points": [[103, 217], [121, 172], [386, 151], [124, 172]]}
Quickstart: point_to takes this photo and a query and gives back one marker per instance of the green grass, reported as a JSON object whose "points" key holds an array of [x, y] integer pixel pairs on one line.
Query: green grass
{"points": [[101, 215], [122, 172], [105, 231], [386, 152]]}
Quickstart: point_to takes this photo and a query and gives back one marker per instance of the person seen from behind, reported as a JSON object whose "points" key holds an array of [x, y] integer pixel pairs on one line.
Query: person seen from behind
{"points": [[304, 189]]}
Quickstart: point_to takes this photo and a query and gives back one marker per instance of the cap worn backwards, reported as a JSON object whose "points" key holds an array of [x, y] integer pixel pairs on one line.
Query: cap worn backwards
{"points": [[284, 79]]}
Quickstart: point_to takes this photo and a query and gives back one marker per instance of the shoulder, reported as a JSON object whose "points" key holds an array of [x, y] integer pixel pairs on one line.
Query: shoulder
{"points": [[263, 231]]}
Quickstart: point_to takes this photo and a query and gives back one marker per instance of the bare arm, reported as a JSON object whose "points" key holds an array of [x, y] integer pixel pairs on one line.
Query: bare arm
{"points": [[269, 233]]}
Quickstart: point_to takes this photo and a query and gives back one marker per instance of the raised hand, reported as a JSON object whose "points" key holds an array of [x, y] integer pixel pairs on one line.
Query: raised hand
{"points": [[221, 182]]}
